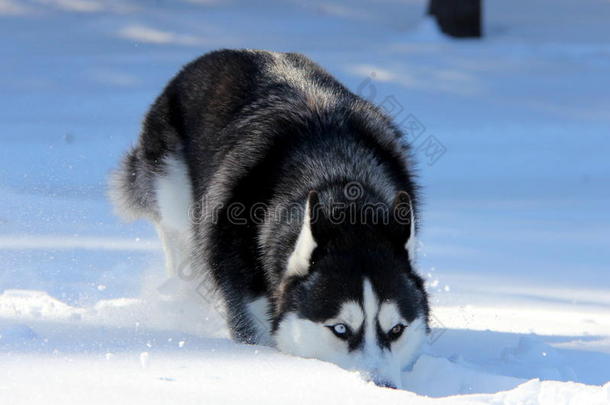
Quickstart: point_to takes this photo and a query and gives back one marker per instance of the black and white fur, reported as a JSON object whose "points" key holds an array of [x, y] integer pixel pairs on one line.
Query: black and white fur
{"points": [[241, 135]]}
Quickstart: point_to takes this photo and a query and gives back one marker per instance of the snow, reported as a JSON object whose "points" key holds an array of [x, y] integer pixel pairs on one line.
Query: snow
{"points": [[510, 133], [128, 350]]}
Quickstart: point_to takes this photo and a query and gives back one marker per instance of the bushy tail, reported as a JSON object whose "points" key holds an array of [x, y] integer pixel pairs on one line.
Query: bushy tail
{"points": [[131, 188]]}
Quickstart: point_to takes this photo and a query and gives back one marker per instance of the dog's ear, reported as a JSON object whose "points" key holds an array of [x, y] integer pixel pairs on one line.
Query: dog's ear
{"points": [[299, 259], [402, 221]]}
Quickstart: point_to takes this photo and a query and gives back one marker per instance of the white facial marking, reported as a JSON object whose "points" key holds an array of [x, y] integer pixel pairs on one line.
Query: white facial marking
{"points": [[389, 316], [407, 347], [351, 314], [371, 307], [306, 338], [383, 365], [298, 262]]}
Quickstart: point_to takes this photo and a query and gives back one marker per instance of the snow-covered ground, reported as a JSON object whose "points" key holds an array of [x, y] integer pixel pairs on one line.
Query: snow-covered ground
{"points": [[512, 136]]}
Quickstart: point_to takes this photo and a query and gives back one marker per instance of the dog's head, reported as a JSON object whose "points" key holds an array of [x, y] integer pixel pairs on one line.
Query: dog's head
{"points": [[350, 295]]}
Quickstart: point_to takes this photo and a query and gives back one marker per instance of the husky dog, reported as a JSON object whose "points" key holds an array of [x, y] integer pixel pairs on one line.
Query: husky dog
{"points": [[295, 197]]}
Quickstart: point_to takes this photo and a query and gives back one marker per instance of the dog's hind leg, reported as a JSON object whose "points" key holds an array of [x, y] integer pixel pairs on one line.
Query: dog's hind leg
{"points": [[162, 193], [176, 247], [154, 182], [174, 200]]}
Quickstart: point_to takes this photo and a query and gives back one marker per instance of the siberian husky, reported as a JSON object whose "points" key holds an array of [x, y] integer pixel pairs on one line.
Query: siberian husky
{"points": [[296, 197]]}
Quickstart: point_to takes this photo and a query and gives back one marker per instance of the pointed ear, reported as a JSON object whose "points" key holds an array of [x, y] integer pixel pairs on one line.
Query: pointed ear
{"points": [[403, 221], [299, 259]]}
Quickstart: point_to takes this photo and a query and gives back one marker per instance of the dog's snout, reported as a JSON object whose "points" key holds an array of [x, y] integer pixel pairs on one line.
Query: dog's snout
{"points": [[380, 382]]}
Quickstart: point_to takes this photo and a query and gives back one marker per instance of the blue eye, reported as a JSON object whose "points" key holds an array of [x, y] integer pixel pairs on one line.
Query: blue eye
{"points": [[340, 330]]}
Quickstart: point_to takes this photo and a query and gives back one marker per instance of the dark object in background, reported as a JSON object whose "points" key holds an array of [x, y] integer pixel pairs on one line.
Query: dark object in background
{"points": [[457, 18]]}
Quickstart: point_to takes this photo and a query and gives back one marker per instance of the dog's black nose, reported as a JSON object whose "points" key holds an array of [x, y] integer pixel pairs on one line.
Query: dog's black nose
{"points": [[385, 384]]}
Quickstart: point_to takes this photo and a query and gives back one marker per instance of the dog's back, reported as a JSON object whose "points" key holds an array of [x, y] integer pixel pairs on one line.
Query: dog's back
{"points": [[193, 117]]}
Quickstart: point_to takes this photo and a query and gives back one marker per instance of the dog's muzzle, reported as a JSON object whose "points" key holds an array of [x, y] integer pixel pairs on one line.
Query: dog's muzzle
{"points": [[379, 379], [380, 382]]}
